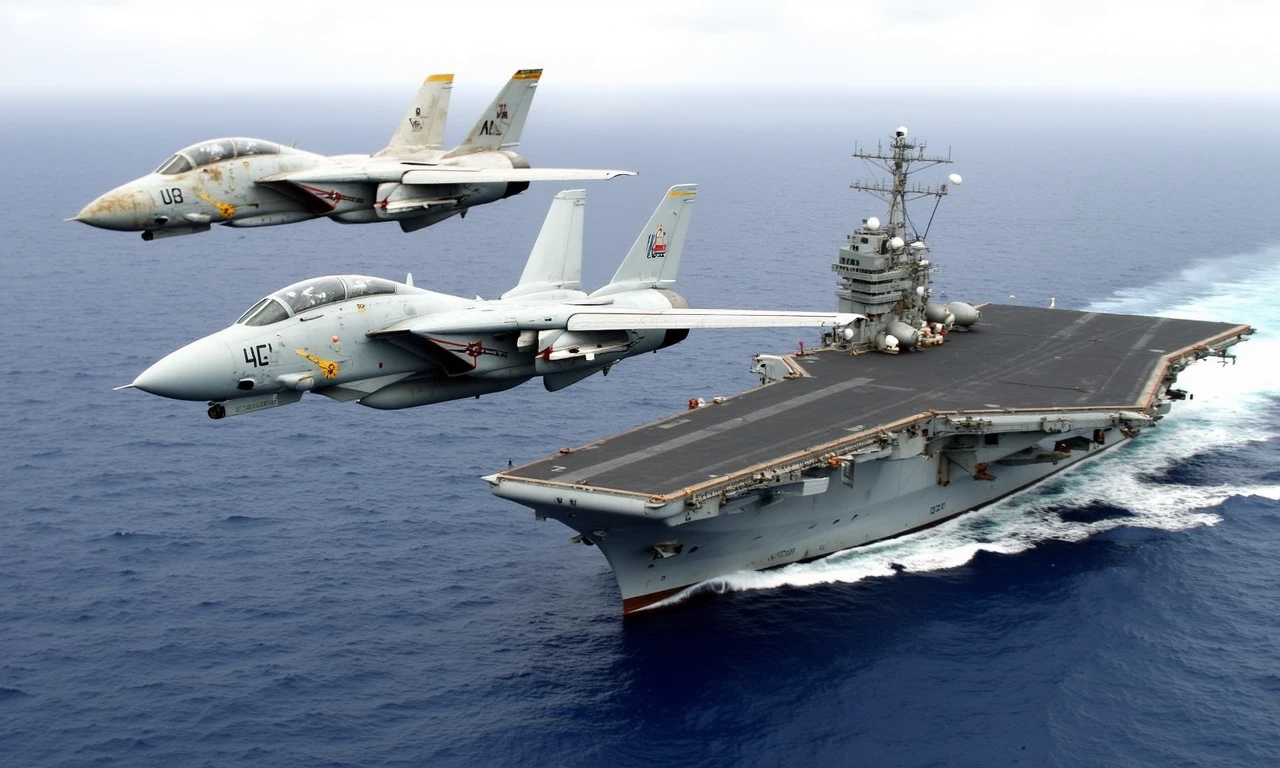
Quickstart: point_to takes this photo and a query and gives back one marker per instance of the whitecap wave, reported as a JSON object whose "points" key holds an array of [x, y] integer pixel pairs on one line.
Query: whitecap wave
{"points": [[1224, 414]]}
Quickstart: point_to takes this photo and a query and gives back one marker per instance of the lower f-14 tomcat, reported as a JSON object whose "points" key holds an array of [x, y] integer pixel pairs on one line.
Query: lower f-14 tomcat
{"points": [[391, 345], [413, 181]]}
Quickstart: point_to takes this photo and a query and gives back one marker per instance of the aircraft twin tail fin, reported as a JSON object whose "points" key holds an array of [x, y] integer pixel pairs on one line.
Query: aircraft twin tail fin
{"points": [[555, 263], [654, 259], [423, 124], [500, 126]]}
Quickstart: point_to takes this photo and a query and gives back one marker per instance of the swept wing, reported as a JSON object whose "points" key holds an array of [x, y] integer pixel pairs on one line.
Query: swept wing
{"points": [[381, 171], [572, 317]]}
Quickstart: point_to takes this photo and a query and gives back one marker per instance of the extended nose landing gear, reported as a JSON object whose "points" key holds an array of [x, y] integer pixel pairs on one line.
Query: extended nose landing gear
{"points": [[217, 411]]}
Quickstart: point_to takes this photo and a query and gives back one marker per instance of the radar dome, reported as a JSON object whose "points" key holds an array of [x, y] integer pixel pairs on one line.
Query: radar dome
{"points": [[955, 178], [896, 242], [902, 131], [873, 223]]}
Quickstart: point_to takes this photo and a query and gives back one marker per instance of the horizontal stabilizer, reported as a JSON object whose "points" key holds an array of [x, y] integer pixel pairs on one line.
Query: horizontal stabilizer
{"points": [[456, 175], [622, 319]]}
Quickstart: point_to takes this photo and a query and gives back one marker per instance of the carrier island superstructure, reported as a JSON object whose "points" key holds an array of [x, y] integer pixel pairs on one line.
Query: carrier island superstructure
{"points": [[914, 415]]}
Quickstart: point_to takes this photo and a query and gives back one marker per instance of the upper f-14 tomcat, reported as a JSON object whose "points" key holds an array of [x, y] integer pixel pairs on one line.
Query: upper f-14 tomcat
{"points": [[392, 345], [243, 182]]}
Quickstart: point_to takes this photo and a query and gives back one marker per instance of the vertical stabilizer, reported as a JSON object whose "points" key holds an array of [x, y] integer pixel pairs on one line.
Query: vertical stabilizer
{"points": [[555, 263], [500, 126], [423, 124], [654, 259]]}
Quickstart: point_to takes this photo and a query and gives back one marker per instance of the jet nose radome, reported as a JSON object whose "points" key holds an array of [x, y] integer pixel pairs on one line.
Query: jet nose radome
{"points": [[202, 370], [126, 209]]}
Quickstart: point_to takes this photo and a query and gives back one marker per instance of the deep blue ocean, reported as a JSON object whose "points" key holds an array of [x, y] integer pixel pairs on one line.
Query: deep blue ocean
{"points": [[329, 585]]}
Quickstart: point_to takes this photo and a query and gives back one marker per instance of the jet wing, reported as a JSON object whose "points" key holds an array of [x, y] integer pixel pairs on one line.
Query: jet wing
{"points": [[380, 171], [456, 175], [372, 171], [624, 319], [500, 319]]}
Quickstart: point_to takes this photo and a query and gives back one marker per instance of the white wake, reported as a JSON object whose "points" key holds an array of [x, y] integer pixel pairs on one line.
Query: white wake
{"points": [[1228, 410]]}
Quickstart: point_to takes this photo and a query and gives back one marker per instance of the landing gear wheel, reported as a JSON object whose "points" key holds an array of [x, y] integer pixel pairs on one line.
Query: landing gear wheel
{"points": [[217, 411]]}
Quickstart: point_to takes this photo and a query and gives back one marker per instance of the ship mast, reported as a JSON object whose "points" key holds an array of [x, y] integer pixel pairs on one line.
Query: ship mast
{"points": [[884, 274], [898, 163]]}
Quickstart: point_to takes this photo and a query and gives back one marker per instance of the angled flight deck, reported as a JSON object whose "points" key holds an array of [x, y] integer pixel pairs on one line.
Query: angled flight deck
{"points": [[1019, 358]]}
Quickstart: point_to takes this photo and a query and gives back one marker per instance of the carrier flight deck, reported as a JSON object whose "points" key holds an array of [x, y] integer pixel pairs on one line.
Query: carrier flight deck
{"points": [[1020, 358]]}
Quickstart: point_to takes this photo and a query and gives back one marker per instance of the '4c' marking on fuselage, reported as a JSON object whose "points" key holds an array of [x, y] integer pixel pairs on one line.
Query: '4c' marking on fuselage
{"points": [[257, 356]]}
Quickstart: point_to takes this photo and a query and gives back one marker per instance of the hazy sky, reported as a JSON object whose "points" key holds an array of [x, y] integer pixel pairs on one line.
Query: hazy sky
{"points": [[55, 46]]}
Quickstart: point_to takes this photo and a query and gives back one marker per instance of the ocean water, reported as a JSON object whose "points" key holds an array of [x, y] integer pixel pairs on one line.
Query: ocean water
{"points": [[328, 585]]}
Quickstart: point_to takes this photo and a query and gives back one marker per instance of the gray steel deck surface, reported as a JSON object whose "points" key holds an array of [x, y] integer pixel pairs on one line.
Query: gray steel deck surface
{"points": [[1017, 357]]}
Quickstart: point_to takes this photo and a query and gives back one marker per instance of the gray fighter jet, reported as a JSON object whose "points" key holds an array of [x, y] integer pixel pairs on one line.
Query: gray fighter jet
{"points": [[392, 345], [413, 181]]}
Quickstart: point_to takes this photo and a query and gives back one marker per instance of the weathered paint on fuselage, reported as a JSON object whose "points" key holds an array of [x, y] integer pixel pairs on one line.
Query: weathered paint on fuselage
{"points": [[225, 191], [293, 186]]}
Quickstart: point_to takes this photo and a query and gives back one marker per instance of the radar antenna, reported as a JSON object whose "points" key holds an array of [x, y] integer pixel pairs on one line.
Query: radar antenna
{"points": [[896, 191]]}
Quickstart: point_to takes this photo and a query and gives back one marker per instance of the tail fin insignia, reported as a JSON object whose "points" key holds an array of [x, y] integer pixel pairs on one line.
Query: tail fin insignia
{"points": [[422, 126], [500, 125], [654, 259]]}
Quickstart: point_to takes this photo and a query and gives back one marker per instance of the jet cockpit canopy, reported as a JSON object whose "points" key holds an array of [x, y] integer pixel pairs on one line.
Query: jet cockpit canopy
{"points": [[207, 152], [309, 294]]}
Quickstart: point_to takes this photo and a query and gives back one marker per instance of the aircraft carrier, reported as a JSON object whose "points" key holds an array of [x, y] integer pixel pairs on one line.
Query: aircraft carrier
{"points": [[912, 416]]}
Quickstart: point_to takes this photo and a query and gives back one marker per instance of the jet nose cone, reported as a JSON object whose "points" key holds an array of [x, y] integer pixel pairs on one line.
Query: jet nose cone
{"points": [[202, 370], [124, 209]]}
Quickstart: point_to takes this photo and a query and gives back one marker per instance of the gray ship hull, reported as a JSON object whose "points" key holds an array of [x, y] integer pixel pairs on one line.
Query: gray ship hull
{"points": [[847, 450], [886, 498]]}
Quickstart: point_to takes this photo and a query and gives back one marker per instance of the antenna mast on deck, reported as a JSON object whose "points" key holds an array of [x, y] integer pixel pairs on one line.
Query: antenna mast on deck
{"points": [[884, 273], [898, 163]]}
